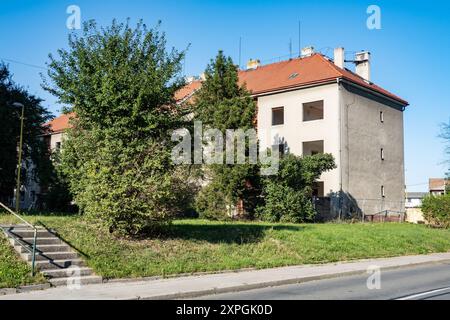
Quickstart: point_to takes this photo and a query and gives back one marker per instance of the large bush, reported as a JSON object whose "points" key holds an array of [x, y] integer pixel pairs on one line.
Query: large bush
{"points": [[436, 210], [287, 195], [121, 84]]}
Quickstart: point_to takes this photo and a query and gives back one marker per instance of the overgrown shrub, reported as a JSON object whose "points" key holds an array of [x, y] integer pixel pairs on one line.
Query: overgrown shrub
{"points": [[287, 195], [211, 203], [121, 84], [436, 210]]}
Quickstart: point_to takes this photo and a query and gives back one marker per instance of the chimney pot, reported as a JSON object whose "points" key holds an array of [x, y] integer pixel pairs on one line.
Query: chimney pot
{"points": [[362, 62], [253, 64], [307, 51], [339, 57]]}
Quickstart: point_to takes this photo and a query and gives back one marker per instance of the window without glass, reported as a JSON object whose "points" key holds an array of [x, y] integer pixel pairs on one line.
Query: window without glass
{"points": [[383, 194], [381, 116], [318, 189], [382, 153], [313, 111], [277, 116], [311, 148]]}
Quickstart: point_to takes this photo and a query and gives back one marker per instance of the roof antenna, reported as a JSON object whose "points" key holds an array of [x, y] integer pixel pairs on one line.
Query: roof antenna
{"points": [[290, 49], [240, 51], [299, 39]]}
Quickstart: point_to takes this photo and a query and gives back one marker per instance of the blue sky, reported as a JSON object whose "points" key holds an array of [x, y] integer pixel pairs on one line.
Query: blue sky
{"points": [[409, 53]]}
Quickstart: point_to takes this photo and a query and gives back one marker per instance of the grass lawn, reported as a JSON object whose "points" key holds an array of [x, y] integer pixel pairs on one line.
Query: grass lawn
{"points": [[198, 245], [14, 272]]}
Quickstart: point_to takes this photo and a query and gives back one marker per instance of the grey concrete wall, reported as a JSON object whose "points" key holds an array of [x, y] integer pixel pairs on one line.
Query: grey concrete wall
{"points": [[362, 170]]}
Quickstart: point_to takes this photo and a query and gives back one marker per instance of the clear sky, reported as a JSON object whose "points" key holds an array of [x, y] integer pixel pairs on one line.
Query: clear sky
{"points": [[409, 52]]}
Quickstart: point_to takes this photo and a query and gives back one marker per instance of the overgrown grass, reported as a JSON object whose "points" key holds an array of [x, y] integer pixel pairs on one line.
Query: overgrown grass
{"points": [[198, 245], [13, 271]]}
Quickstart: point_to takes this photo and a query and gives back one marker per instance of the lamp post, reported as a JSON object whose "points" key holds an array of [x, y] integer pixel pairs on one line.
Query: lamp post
{"points": [[19, 162]]}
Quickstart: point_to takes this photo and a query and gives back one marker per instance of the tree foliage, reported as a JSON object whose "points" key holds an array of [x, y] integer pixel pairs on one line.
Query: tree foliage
{"points": [[222, 103], [34, 149], [445, 135], [121, 83], [436, 210], [287, 195]]}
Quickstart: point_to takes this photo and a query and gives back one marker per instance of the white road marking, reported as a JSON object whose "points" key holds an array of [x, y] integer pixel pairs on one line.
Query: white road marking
{"points": [[418, 295]]}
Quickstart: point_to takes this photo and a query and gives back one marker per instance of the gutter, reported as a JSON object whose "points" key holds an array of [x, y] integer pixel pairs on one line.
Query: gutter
{"points": [[403, 104]]}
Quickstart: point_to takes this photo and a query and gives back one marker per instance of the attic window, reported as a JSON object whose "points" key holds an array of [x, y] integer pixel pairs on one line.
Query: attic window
{"points": [[293, 75]]}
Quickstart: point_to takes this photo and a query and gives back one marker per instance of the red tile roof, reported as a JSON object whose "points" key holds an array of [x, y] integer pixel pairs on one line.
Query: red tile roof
{"points": [[311, 70], [315, 69], [437, 184], [60, 123], [187, 91]]}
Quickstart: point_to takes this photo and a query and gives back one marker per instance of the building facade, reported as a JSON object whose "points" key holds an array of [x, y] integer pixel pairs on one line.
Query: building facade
{"points": [[314, 104]]}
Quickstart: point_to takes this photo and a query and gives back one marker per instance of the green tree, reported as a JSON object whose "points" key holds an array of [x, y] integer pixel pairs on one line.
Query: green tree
{"points": [[121, 83], [445, 135], [222, 103], [287, 195], [34, 149]]}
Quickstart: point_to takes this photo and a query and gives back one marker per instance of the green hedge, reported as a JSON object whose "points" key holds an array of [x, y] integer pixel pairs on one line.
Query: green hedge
{"points": [[436, 210]]}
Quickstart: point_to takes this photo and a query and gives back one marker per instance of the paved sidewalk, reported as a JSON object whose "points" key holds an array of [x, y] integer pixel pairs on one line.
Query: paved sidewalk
{"points": [[194, 286]]}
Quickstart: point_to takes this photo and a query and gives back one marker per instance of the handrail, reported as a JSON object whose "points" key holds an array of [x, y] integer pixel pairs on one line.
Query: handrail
{"points": [[33, 257]]}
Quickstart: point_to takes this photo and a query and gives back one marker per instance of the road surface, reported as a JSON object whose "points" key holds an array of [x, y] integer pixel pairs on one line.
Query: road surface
{"points": [[430, 282]]}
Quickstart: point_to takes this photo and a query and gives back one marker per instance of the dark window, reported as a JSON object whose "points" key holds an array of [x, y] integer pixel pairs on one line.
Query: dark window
{"points": [[382, 154], [313, 111], [277, 116], [381, 116]]}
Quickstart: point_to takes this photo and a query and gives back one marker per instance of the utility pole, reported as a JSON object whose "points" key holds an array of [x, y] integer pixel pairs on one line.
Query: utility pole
{"points": [[19, 162]]}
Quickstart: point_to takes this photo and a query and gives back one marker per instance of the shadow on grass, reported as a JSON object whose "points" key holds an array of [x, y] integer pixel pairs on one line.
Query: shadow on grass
{"points": [[224, 233]]}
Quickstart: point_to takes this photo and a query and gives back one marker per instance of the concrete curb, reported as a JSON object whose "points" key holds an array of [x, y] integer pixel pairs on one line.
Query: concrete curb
{"points": [[23, 289]]}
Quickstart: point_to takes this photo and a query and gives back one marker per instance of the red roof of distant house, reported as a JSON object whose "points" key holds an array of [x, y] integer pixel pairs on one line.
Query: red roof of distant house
{"points": [[436, 184], [187, 91], [60, 123], [285, 75]]}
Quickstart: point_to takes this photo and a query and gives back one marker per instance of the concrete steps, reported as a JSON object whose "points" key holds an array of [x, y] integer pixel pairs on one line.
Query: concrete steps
{"points": [[56, 260]]}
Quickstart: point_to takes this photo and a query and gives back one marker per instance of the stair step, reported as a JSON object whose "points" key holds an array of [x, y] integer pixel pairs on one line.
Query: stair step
{"points": [[46, 240], [58, 264], [51, 256], [63, 273], [45, 248], [29, 233], [82, 281]]}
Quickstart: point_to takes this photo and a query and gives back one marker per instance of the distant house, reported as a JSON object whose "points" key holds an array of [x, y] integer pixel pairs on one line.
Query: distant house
{"points": [[414, 199], [437, 186]]}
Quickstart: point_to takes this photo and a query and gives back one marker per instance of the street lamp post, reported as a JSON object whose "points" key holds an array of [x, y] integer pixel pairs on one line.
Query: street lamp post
{"points": [[19, 162]]}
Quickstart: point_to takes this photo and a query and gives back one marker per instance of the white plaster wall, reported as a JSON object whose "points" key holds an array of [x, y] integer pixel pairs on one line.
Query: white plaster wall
{"points": [[294, 131]]}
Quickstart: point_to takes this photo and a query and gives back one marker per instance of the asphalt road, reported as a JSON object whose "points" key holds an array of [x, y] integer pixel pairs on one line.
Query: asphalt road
{"points": [[411, 283]]}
